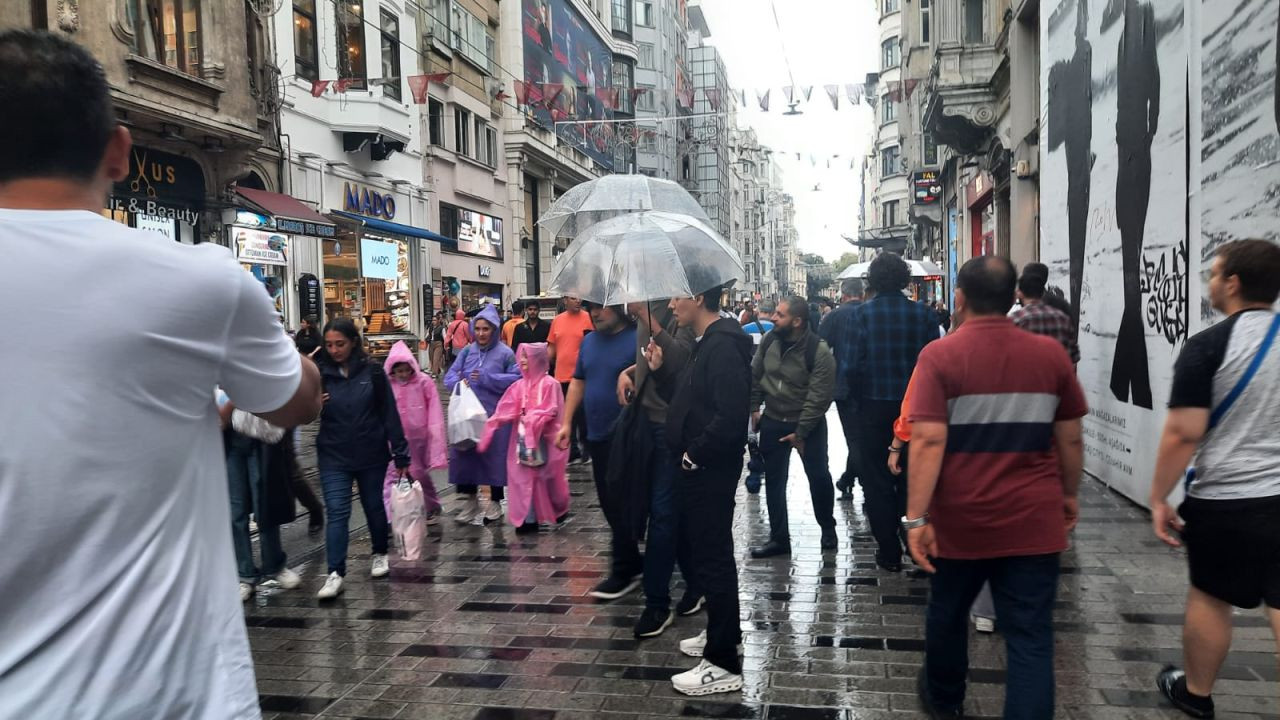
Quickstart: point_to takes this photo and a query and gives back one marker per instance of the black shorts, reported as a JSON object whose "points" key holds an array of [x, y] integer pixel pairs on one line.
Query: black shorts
{"points": [[1233, 549]]}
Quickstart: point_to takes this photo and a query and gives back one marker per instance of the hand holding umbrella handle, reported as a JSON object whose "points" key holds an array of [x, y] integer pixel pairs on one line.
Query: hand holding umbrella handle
{"points": [[653, 355]]}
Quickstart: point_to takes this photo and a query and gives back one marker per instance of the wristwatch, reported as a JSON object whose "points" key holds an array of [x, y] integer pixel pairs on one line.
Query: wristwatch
{"points": [[917, 523]]}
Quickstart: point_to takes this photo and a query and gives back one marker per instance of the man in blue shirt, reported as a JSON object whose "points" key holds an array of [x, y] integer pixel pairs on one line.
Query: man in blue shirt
{"points": [[604, 355], [886, 336]]}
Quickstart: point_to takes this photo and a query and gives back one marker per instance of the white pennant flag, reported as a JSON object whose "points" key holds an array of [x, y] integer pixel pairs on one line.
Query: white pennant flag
{"points": [[833, 92]]}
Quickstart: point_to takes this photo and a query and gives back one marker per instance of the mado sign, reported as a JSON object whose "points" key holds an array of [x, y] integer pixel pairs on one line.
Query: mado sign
{"points": [[361, 201], [378, 259]]}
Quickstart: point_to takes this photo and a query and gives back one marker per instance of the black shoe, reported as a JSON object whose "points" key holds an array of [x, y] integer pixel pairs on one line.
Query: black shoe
{"points": [[930, 710], [314, 528], [1173, 683], [893, 566], [527, 529], [653, 621], [846, 488], [770, 549], [614, 587], [690, 604], [829, 540]]}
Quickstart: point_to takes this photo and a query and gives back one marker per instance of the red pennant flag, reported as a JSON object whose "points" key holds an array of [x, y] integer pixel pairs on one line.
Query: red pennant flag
{"points": [[551, 93], [636, 93], [318, 87], [713, 97], [342, 84], [439, 77], [418, 88], [608, 97], [522, 92], [764, 99], [911, 86], [895, 92], [833, 92]]}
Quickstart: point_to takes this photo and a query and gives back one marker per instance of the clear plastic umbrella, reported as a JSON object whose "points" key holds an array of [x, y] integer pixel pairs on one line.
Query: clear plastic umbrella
{"points": [[613, 195], [919, 269], [644, 256]]}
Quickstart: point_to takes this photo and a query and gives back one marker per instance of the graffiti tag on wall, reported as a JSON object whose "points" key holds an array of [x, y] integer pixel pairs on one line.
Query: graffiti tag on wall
{"points": [[1165, 283]]}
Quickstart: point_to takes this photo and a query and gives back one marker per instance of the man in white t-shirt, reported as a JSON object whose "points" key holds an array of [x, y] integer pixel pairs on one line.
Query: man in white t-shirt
{"points": [[119, 591]]}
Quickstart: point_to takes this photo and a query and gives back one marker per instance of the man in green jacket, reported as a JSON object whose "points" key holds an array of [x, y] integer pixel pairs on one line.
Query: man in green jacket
{"points": [[793, 375]]}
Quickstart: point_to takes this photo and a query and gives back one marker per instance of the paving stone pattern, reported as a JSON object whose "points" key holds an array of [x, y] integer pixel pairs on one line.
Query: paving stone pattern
{"points": [[489, 625]]}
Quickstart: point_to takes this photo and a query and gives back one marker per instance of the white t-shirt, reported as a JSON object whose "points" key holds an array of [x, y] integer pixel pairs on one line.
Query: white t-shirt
{"points": [[118, 594]]}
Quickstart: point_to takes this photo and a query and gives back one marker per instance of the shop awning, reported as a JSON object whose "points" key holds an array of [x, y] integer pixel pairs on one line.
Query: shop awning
{"points": [[282, 207], [394, 228]]}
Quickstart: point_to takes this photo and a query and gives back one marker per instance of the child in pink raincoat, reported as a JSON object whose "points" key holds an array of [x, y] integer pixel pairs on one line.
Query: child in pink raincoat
{"points": [[423, 422], [533, 404]]}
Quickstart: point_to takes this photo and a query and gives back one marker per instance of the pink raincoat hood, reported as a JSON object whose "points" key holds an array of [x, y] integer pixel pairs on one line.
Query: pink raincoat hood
{"points": [[538, 359], [420, 413], [400, 353]]}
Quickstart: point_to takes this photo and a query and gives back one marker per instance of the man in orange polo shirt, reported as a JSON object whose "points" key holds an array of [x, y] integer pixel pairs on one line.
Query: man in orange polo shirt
{"points": [[563, 342]]}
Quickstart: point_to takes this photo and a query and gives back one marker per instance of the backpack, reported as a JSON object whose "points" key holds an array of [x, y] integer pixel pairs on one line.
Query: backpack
{"points": [[810, 347]]}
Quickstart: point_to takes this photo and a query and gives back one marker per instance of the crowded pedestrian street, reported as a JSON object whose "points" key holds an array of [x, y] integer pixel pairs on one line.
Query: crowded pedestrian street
{"points": [[488, 625]]}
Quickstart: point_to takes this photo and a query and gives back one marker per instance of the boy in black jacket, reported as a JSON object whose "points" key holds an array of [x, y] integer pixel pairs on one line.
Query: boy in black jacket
{"points": [[706, 431]]}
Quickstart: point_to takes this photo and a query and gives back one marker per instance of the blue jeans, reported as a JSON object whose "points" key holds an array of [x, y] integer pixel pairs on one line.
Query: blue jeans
{"points": [[244, 488], [1024, 589], [662, 542], [337, 505]]}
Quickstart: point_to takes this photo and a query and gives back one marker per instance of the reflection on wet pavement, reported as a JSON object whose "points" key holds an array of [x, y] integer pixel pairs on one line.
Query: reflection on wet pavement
{"points": [[488, 626]]}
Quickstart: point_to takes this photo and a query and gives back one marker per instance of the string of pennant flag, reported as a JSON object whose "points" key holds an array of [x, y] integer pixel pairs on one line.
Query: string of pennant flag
{"points": [[549, 95]]}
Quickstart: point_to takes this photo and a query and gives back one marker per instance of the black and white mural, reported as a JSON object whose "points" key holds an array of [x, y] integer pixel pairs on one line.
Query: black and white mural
{"points": [[1114, 170]]}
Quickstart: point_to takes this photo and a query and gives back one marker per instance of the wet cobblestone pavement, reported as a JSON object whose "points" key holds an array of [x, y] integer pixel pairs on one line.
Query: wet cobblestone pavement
{"points": [[489, 625]]}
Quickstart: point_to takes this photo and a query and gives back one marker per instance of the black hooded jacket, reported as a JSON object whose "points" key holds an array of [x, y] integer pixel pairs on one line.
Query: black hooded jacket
{"points": [[710, 406]]}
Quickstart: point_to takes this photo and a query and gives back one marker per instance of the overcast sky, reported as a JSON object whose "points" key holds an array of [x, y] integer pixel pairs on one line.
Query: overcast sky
{"points": [[827, 42]]}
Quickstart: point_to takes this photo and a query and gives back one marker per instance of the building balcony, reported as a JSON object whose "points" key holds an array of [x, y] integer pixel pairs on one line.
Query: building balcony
{"points": [[892, 239], [961, 108]]}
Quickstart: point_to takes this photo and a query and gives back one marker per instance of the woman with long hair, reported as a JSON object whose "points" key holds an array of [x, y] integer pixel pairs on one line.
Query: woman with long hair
{"points": [[488, 368], [360, 433]]}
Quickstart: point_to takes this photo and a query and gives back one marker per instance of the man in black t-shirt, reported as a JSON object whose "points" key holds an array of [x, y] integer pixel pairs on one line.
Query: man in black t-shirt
{"points": [[1224, 418], [533, 330]]}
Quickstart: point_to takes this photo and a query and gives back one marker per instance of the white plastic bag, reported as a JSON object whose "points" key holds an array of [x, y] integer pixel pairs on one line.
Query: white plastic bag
{"points": [[466, 418], [408, 518], [255, 427]]}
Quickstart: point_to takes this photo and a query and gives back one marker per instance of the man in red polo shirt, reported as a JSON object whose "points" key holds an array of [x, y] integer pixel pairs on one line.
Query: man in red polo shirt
{"points": [[996, 457]]}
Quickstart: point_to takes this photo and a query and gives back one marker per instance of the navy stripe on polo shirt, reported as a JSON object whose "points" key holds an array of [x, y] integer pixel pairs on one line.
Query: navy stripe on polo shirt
{"points": [[1000, 390]]}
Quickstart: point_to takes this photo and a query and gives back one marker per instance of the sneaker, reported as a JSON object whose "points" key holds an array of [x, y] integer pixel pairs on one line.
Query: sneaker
{"points": [[690, 604], [653, 622], [984, 625], [288, 579], [706, 679], [381, 567], [694, 646], [332, 587], [563, 520], [246, 591], [493, 512], [614, 587], [1173, 684], [470, 510]]}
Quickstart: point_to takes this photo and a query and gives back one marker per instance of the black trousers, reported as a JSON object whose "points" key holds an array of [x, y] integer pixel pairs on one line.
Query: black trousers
{"points": [[626, 561], [777, 462], [496, 492], [578, 431], [706, 500], [848, 410], [885, 493]]}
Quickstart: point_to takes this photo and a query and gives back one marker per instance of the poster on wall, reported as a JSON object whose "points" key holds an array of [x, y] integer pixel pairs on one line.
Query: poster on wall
{"points": [[1114, 214], [1240, 114], [479, 234], [565, 63], [261, 248]]}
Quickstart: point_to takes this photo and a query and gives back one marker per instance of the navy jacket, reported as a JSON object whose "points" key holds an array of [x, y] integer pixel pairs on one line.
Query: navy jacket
{"points": [[359, 425]]}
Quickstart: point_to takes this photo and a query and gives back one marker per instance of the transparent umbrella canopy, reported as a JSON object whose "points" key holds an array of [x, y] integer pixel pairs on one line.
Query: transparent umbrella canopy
{"points": [[919, 269], [613, 195], [648, 255]]}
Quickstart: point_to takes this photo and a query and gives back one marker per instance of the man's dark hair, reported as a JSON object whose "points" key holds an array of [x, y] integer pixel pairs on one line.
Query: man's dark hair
{"points": [[517, 307], [1034, 277], [888, 274], [853, 287], [988, 283], [798, 307], [713, 299], [1257, 264], [59, 115]]}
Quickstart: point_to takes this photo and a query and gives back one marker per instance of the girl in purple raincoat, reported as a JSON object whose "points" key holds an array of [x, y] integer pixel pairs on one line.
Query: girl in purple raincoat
{"points": [[423, 424], [489, 368], [535, 464]]}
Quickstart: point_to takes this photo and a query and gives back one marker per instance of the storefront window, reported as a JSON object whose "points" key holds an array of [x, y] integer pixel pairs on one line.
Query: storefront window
{"points": [[366, 278]]}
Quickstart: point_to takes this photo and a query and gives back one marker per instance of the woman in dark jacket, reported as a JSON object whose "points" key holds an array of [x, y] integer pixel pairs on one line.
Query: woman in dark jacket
{"points": [[359, 434]]}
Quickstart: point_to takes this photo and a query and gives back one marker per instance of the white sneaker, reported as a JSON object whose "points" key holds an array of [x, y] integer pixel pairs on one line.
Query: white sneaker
{"points": [[288, 579], [493, 511], [984, 625], [706, 679], [695, 646], [470, 510], [380, 566], [332, 587], [246, 591]]}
